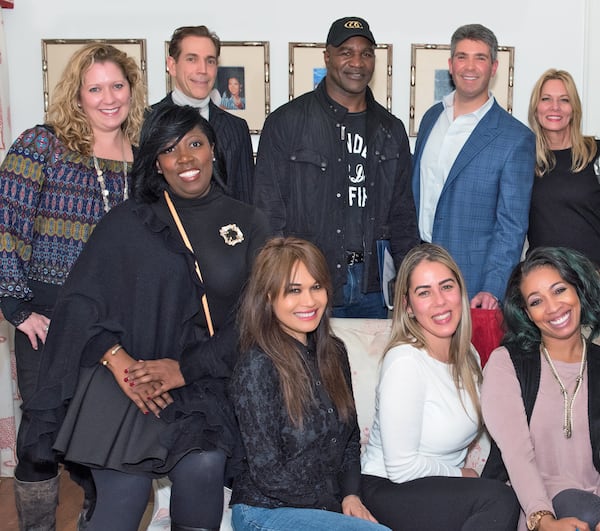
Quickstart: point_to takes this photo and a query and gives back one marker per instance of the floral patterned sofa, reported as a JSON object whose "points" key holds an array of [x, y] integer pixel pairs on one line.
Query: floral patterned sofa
{"points": [[365, 340]]}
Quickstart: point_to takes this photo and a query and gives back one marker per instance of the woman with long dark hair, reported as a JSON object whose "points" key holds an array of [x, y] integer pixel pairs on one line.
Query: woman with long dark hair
{"points": [[293, 399], [541, 394]]}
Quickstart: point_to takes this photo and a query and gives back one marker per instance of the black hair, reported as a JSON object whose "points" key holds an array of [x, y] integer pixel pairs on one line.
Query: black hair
{"points": [[165, 127], [575, 269]]}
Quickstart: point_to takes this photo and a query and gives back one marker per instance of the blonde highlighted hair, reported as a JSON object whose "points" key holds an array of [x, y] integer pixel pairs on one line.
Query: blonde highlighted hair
{"points": [[69, 121], [583, 148], [465, 368]]}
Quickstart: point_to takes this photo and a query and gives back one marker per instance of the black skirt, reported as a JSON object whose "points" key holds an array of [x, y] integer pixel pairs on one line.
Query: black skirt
{"points": [[103, 428]]}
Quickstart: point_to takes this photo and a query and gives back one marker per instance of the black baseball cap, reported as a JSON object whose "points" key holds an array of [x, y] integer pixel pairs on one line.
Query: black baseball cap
{"points": [[344, 28]]}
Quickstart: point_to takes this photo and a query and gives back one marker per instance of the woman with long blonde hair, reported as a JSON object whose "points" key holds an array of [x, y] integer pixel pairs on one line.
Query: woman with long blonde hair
{"points": [[565, 200], [427, 410]]}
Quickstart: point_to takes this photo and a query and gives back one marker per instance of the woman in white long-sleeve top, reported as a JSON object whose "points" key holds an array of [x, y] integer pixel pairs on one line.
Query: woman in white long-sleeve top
{"points": [[427, 410]]}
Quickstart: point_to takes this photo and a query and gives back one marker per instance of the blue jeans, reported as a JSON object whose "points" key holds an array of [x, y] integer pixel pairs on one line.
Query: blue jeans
{"points": [[249, 518], [356, 303]]}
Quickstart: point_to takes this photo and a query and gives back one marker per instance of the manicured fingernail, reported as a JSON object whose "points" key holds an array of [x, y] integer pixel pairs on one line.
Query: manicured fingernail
{"points": [[145, 412], [126, 371], [131, 384], [126, 379]]}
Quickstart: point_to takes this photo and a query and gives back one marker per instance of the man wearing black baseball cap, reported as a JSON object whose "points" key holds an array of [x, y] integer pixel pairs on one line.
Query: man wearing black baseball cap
{"points": [[333, 167], [347, 27]]}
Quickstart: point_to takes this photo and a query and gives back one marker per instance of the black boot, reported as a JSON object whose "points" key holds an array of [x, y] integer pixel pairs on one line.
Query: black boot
{"points": [[36, 503]]}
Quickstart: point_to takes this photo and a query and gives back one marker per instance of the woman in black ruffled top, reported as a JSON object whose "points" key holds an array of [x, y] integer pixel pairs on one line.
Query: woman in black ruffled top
{"points": [[135, 294]]}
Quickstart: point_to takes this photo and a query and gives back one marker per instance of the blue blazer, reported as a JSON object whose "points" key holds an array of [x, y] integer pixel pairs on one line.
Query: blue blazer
{"points": [[482, 214]]}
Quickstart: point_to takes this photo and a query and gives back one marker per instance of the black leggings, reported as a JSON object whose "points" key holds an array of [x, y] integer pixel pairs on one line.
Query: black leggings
{"points": [[196, 494], [448, 503]]}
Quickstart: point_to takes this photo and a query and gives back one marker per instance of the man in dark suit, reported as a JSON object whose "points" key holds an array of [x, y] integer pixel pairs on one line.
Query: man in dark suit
{"points": [[193, 63], [473, 171]]}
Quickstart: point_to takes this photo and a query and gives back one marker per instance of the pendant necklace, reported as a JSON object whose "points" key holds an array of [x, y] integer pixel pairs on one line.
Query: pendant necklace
{"points": [[101, 182], [568, 418]]}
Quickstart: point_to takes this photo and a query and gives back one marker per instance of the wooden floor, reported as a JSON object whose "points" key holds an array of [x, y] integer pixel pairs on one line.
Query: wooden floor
{"points": [[70, 500]]}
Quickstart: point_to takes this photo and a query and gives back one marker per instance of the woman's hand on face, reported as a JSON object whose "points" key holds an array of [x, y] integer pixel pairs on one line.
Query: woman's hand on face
{"points": [[35, 327], [353, 506], [165, 372]]}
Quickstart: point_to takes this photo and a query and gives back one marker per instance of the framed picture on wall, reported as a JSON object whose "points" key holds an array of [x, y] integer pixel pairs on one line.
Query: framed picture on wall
{"points": [[307, 68], [430, 80], [242, 86], [57, 52]]}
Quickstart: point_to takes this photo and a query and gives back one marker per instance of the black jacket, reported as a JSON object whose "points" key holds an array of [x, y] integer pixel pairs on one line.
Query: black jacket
{"points": [[301, 175], [234, 149]]}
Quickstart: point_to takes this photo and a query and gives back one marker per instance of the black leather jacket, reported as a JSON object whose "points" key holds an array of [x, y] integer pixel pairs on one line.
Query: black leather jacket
{"points": [[301, 175]]}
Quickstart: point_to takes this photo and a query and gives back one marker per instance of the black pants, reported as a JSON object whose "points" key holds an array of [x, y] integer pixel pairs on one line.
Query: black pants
{"points": [[578, 503], [448, 503], [28, 369]]}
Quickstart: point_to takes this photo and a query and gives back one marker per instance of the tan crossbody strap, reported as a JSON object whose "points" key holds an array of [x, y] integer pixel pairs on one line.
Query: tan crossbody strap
{"points": [[186, 240]]}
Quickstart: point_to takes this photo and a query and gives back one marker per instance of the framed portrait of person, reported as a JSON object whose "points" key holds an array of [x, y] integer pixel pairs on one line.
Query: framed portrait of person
{"points": [[430, 80], [57, 52], [242, 86], [307, 68]]}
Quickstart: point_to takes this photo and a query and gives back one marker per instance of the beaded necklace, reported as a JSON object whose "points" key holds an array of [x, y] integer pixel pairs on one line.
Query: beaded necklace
{"points": [[568, 420], [104, 191]]}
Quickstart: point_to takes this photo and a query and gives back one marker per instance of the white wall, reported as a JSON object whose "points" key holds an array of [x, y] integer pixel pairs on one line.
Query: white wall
{"points": [[545, 33]]}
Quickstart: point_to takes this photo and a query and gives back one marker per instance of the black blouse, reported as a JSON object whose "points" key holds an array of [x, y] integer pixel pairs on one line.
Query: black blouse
{"points": [[312, 467], [565, 208]]}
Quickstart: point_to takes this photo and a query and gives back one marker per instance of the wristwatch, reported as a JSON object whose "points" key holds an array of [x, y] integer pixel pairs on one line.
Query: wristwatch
{"points": [[533, 522]]}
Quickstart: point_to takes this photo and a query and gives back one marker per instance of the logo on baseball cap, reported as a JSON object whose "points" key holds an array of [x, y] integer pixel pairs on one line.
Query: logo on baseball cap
{"points": [[344, 28]]}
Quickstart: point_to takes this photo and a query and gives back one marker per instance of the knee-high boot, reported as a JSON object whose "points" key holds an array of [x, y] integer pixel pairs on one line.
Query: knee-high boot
{"points": [[36, 503]]}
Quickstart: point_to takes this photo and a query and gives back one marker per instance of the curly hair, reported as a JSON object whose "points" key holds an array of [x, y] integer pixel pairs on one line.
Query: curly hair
{"points": [[466, 372], [575, 269], [583, 147], [69, 121], [273, 270]]}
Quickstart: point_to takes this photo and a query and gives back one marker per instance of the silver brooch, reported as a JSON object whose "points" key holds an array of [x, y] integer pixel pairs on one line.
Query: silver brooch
{"points": [[231, 234]]}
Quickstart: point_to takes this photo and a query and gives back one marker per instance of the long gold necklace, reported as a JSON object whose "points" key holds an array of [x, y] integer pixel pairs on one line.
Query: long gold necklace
{"points": [[568, 418], [102, 183]]}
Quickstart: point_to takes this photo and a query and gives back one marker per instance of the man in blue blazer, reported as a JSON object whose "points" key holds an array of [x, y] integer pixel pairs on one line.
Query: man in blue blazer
{"points": [[473, 171]]}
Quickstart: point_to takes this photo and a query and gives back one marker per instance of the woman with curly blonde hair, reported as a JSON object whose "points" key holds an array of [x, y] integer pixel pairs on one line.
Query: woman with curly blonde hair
{"points": [[56, 182]]}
